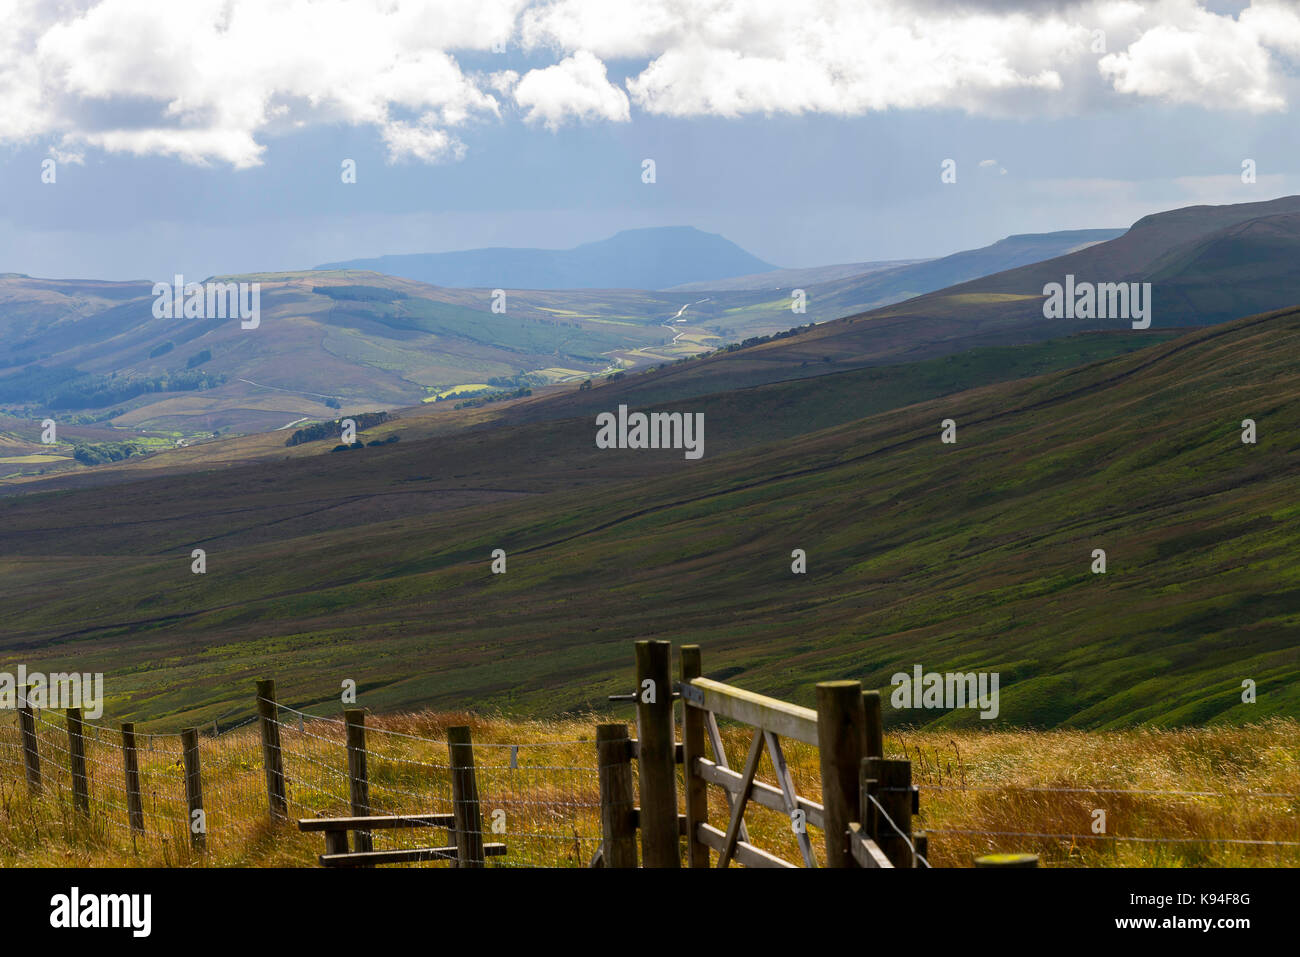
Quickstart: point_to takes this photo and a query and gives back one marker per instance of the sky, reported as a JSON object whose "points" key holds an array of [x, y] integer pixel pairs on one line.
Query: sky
{"points": [[211, 136]]}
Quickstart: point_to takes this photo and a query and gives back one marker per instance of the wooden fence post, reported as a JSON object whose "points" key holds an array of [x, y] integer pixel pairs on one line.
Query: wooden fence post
{"points": [[269, 713], [27, 722], [890, 783], [464, 799], [656, 758], [697, 789], [875, 725], [131, 765], [194, 790], [614, 767], [77, 758], [358, 782], [841, 741]]}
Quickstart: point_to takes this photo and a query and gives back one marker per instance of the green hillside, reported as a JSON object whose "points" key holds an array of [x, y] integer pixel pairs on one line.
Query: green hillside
{"points": [[375, 565]]}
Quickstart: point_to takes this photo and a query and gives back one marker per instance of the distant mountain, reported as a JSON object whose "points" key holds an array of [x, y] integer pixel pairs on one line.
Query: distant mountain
{"points": [[1206, 264], [787, 278], [848, 296], [653, 258]]}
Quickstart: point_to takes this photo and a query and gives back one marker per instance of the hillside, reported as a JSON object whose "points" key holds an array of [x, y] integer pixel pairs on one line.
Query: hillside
{"points": [[653, 258], [1207, 264], [374, 564], [789, 278]]}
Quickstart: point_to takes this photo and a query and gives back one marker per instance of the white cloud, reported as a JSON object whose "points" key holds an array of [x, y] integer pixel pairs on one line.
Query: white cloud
{"points": [[209, 80], [1201, 58], [575, 88]]}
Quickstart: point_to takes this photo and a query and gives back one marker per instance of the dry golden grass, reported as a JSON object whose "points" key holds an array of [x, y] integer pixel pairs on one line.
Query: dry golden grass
{"points": [[1007, 785]]}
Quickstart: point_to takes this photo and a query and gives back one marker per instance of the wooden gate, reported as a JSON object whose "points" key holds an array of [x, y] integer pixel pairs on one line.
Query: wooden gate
{"points": [[859, 829]]}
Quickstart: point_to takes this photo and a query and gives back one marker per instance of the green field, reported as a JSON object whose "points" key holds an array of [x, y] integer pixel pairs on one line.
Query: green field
{"points": [[375, 565]]}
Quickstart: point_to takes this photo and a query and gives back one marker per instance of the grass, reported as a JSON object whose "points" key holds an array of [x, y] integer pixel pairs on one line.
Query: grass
{"points": [[1013, 783]]}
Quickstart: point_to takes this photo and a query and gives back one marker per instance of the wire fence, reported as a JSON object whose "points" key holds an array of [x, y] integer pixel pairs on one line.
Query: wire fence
{"points": [[539, 798], [539, 795]]}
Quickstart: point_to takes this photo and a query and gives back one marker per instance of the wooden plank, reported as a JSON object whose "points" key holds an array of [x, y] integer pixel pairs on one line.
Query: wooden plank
{"points": [[791, 801], [761, 793], [756, 710], [745, 853], [865, 851], [336, 842], [376, 822], [742, 798], [407, 856], [720, 757]]}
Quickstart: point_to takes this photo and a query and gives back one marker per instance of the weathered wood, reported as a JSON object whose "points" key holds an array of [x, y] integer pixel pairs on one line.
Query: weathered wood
{"points": [[841, 741], [875, 727], [893, 793], [656, 766], [336, 844], [614, 770], [634, 749], [865, 851], [759, 711], [742, 798], [376, 822], [358, 782], [131, 767], [197, 819], [410, 855], [77, 762], [720, 758], [744, 852], [921, 842], [31, 759], [1007, 860], [760, 792], [272, 758], [697, 789], [791, 801], [464, 799]]}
